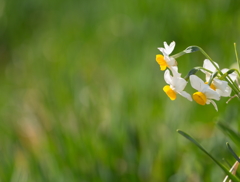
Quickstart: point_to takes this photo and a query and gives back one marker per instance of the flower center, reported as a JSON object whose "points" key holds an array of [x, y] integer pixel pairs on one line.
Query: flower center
{"points": [[161, 61], [212, 86], [200, 98], [170, 92]]}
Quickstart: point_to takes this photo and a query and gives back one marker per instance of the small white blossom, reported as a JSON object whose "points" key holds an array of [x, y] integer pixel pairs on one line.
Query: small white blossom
{"points": [[220, 86], [205, 94], [166, 60], [176, 86]]}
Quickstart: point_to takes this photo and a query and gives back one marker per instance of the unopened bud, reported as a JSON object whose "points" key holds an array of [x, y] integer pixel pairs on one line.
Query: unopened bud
{"points": [[191, 49]]}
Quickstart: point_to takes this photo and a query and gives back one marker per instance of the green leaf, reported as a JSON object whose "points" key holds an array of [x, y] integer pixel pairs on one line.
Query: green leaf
{"points": [[232, 152], [230, 132], [230, 175]]}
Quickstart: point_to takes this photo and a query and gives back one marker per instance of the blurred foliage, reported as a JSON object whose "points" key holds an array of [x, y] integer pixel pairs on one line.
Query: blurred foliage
{"points": [[81, 93]]}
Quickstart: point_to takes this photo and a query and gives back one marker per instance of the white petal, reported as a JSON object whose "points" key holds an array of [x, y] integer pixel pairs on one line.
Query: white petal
{"points": [[224, 70], [224, 93], [214, 104], [169, 49], [186, 95], [166, 55], [164, 50], [227, 92], [161, 49], [167, 77], [207, 76], [196, 82], [179, 84], [222, 87], [220, 84], [165, 45], [208, 65], [174, 70], [211, 94], [172, 44], [170, 61]]}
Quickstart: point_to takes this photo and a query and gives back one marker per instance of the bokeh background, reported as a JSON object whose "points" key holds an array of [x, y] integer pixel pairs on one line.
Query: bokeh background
{"points": [[81, 93]]}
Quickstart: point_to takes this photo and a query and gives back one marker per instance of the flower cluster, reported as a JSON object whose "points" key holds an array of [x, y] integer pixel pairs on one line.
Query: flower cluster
{"points": [[218, 82]]}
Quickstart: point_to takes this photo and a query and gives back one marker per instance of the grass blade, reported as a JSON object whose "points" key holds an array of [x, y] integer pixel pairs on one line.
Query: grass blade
{"points": [[232, 152], [230, 132], [230, 175]]}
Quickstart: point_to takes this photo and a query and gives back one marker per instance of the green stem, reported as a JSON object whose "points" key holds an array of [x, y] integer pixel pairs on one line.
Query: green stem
{"points": [[175, 56], [202, 68], [235, 49]]}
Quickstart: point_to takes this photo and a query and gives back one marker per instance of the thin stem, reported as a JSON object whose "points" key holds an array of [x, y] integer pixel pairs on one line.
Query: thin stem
{"points": [[202, 68], [175, 56], [235, 49]]}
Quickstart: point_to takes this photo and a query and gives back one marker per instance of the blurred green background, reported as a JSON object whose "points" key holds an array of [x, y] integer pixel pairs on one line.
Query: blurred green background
{"points": [[81, 93]]}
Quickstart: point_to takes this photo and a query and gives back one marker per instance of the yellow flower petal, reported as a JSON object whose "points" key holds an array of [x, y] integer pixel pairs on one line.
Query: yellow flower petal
{"points": [[170, 92], [200, 98], [161, 61]]}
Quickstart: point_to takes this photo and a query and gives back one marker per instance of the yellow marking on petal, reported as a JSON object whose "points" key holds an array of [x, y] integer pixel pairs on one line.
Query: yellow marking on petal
{"points": [[170, 92], [161, 61], [200, 98], [212, 86]]}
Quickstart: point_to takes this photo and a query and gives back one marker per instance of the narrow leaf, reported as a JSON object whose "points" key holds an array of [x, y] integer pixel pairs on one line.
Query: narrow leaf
{"points": [[230, 175], [232, 152], [230, 132]]}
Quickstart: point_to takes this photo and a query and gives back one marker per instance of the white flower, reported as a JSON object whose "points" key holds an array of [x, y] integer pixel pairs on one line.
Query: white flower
{"points": [[205, 94], [207, 64], [168, 49], [165, 60], [176, 86], [220, 86]]}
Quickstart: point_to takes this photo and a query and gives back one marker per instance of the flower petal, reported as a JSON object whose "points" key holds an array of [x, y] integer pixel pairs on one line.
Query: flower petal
{"points": [[170, 60], [161, 49], [214, 104], [211, 94], [186, 95], [179, 84], [167, 77], [208, 65], [227, 92], [167, 50], [196, 82], [222, 87], [170, 48], [174, 70]]}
